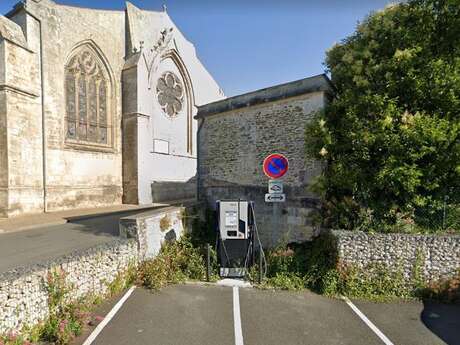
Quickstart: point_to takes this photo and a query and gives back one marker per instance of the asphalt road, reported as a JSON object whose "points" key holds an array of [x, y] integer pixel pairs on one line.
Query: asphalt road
{"points": [[201, 315], [50, 242]]}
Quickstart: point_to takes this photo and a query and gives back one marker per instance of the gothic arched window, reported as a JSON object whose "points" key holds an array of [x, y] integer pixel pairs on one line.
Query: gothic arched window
{"points": [[87, 100]]}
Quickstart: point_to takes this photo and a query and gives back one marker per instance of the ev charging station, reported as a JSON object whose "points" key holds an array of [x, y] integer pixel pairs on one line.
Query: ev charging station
{"points": [[237, 236], [238, 241]]}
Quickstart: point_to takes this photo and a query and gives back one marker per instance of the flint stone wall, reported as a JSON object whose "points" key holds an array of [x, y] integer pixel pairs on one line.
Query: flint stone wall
{"points": [[23, 294], [439, 255]]}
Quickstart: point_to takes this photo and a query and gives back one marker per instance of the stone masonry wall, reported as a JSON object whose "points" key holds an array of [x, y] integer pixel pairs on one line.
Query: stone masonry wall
{"points": [[232, 147], [23, 295], [21, 188], [153, 228], [77, 175], [439, 255]]}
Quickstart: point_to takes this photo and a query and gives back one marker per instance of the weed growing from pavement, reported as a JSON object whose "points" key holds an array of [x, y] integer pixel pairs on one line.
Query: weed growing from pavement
{"points": [[123, 280]]}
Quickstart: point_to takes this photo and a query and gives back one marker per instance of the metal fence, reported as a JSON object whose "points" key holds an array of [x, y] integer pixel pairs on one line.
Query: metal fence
{"points": [[440, 217]]}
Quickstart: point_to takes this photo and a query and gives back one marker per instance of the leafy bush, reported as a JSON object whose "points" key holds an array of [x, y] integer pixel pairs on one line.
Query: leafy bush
{"points": [[284, 269], [123, 280], [447, 290], [390, 139], [177, 262], [298, 266], [67, 317]]}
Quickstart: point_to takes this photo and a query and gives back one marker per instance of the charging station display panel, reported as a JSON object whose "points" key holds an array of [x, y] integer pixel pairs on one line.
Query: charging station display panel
{"points": [[233, 219]]}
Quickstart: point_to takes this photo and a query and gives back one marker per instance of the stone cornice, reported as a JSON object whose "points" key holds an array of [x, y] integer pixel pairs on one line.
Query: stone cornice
{"points": [[18, 90]]}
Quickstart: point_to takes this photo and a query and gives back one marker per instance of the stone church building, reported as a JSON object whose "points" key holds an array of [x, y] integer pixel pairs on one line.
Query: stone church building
{"points": [[95, 106]]}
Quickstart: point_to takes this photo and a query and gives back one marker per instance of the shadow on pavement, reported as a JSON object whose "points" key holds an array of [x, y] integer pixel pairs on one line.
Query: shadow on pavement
{"points": [[101, 224], [443, 320]]}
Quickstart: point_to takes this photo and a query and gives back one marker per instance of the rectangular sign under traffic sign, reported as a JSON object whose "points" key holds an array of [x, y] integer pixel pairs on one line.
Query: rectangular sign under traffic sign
{"points": [[275, 187], [270, 197]]}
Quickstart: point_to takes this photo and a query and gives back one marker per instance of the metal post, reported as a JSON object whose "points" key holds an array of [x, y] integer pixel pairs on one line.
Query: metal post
{"points": [[444, 213], [253, 248], [208, 261], [260, 265]]}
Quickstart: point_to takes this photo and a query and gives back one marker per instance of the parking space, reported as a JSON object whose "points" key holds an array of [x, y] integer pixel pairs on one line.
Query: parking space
{"points": [[182, 314], [198, 314], [415, 323], [275, 317]]}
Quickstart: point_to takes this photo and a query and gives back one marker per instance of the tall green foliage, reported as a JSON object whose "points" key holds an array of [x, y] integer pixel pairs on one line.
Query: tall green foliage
{"points": [[390, 138]]}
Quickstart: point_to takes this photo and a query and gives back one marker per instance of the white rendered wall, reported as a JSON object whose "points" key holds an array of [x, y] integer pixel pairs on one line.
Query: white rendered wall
{"points": [[179, 164]]}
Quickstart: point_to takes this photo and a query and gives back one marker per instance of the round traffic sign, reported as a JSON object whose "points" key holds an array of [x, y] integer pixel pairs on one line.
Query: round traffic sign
{"points": [[275, 165]]}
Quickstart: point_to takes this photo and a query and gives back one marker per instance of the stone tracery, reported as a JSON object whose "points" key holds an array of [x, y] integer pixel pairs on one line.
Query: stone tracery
{"points": [[86, 99], [170, 93]]}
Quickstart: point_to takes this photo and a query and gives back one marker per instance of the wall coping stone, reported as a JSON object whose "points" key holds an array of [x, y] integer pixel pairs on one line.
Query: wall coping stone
{"points": [[352, 233], [316, 83], [160, 210], [24, 270]]}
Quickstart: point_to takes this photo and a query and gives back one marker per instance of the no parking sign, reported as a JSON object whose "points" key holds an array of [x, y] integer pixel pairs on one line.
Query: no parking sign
{"points": [[275, 165]]}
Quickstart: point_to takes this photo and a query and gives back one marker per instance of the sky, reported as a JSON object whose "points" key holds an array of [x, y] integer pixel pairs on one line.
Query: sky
{"points": [[251, 44]]}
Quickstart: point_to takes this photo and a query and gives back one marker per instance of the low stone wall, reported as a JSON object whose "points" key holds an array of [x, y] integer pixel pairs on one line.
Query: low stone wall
{"points": [[438, 256], [23, 293], [152, 228]]}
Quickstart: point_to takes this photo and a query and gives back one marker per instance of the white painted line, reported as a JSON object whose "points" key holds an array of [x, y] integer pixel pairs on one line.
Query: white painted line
{"points": [[368, 322], [234, 282], [108, 317], [237, 317]]}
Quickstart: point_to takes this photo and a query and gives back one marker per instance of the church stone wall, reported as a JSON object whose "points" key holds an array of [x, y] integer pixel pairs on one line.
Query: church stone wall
{"points": [[232, 146], [76, 168], [75, 176], [20, 130], [80, 176], [3, 152]]}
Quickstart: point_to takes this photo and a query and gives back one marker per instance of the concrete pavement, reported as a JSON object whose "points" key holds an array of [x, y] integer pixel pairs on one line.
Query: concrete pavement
{"points": [[50, 242], [201, 315], [32, 221]]}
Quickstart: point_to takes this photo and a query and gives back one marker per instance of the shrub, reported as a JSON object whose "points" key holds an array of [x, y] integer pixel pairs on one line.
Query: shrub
{"points": [[177, 261], [390, 139]]}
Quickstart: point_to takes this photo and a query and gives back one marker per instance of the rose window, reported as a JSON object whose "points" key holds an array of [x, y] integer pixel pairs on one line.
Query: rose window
{"points": [[170, 93]]}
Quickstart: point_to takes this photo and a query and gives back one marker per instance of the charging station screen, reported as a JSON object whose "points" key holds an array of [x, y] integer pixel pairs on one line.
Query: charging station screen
{"points": [[231, 218]]}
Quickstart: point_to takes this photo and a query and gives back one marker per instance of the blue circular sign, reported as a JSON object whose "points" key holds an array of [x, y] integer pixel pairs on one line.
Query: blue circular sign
{"points": [[275, 165]]}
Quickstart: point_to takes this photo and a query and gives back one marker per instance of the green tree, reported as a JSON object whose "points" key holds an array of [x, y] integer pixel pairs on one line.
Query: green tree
{"points": [[390, 138]]}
